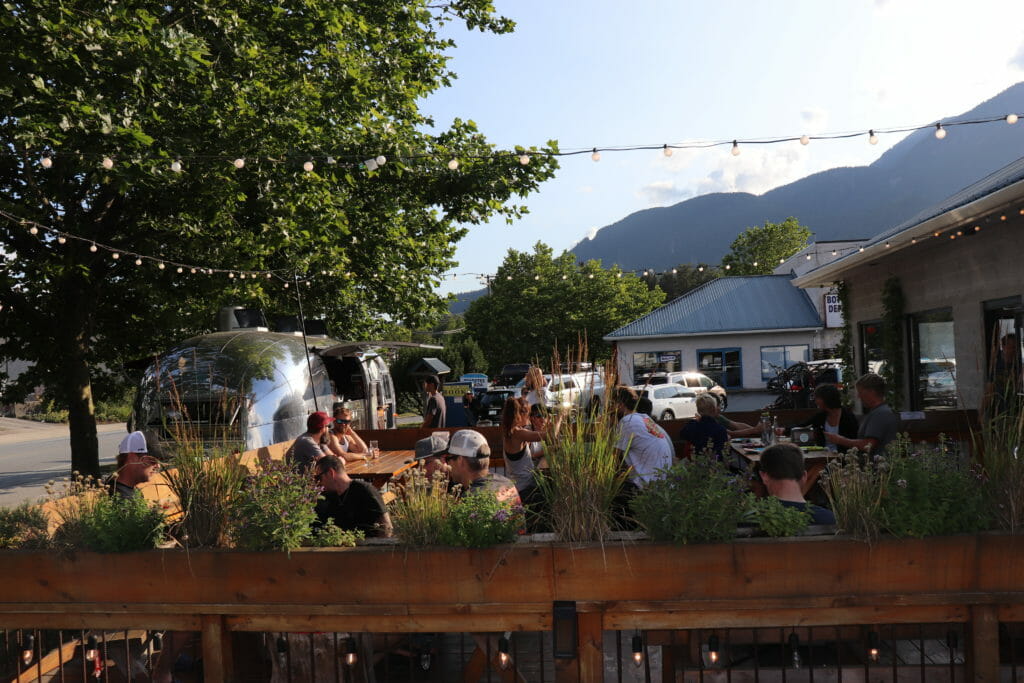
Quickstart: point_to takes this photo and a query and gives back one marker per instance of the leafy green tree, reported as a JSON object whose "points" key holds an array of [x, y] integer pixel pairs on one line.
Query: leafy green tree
{"points": [[233, 136], [538, 302], [758, 250], [682, 279]]}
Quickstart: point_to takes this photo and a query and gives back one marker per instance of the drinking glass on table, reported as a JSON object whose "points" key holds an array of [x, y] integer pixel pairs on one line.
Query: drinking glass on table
{"points": [[373, 452]]}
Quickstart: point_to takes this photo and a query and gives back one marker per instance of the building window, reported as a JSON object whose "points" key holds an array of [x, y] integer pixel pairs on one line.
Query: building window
{"points": [[722, 365], [933, 355], [646, 362], [871, 358], [1002, 317], [774, 359]]}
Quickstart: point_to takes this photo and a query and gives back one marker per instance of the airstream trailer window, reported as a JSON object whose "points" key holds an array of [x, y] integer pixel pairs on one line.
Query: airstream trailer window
{"points": [[347, 375]]}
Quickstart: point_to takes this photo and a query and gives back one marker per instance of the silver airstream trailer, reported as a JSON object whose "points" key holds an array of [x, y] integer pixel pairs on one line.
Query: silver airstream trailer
{"points": [[255, 388]]}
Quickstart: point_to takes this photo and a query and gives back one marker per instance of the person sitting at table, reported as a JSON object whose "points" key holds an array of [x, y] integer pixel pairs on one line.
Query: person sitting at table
{"points": [[782, 472], [644, 446], [307, 449], [535, 386], [704, 434], [470, 458], [431, 452], [342, 440], [516, 438], [353, 504], [880, 425], [833, 418]]}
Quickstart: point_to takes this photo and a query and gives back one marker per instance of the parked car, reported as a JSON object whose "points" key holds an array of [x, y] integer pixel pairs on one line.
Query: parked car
{"points": [[697, 381], [670, 401], [491, 403], [580, 390], [512, 373]]}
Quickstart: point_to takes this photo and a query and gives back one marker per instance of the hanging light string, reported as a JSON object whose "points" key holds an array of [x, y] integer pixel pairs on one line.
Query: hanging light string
{"points": [[34, 228], [310, 162]]}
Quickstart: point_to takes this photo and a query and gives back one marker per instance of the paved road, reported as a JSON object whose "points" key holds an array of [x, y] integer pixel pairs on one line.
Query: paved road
{"points": [[32, 453]]}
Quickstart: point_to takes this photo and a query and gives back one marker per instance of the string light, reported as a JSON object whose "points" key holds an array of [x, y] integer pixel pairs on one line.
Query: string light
{"points": [[735, 148], [239, 162], [453, 164], [595, 155], [872, 138], [873, 646], [940, 132], [91, 648], [93, 248], [1011, 119], [804, 140], [307, 166], [794, 646], [524, 159], [176, 166], [138, 262], [713, 650], [27, 648], [504, 658], [46, 162], [350, 652], [115, 256], [667, 151], [108, 163], [61, 239], [381, 160], [33, 230], [637, 645]]}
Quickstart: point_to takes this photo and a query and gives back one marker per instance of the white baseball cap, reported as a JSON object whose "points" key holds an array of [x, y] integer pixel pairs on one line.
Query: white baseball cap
{"points": [[133, 443], [469, 443]]}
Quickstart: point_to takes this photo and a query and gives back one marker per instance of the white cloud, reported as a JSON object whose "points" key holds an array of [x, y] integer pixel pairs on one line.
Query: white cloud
{"points": [[1017, 61], [663, 192], [815, 119], [755, 171]]}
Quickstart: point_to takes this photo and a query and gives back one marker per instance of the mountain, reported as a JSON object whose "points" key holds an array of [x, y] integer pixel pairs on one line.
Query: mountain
{"points": [[838, 204]]}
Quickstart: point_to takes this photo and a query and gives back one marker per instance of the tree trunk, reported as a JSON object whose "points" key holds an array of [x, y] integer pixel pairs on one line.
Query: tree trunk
{"points": [[85, 457]]}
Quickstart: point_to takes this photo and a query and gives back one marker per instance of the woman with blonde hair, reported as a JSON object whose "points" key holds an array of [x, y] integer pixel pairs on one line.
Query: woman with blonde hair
{"points": [[535, 386]]}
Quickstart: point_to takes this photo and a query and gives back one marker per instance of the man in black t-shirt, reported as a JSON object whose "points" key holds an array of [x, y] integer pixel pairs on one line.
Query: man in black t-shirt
{"points": [[352, 503], [434, 412]]}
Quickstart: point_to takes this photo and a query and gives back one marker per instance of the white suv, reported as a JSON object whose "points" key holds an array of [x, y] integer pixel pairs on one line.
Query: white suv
{"points": [[669, 401], [699, 382]]}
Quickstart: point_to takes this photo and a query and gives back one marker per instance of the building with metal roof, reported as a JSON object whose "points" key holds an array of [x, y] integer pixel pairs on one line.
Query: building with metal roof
{"points": [[958, 266], [736, 330]]}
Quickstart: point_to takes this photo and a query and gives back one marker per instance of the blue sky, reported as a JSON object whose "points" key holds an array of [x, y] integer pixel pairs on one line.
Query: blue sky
{"points": [[602, 73]]}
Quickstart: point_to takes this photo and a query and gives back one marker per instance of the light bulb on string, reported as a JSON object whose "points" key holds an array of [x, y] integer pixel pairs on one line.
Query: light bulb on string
{"points": [[239, 162], [735, 148], [193, 271], [536, 277], [381, 160], [565, 277], [808, 257], [666, 150], [755, 264], [350, 652], [161, 265], [115, 256], [33, 230], [728, 267], [591, 276], [46, 162], [782, 260], [1011, 119], [886, 245], [231, 276], [700, 269], [977, 228], [268, 276], [138, 262], [307, 166], [940, 132], [180, 269], [861, 249], [93, 248], [504, 658], [834, 252], [713, 648], [107, 163], [176, 166], [524, 159], [286, 285], [873, 646], [453, 164], [61, 239], [91, 648], [618, 275], [804, 140], [872, 138], [595, 155], [28, 646]]}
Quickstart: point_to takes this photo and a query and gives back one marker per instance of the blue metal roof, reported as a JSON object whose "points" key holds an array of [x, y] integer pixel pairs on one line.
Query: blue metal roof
{"points": [[729, 304], [1004, 177]]}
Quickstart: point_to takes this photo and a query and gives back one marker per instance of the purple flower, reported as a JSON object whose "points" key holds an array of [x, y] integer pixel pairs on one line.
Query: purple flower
{"points": [[501, 516]]}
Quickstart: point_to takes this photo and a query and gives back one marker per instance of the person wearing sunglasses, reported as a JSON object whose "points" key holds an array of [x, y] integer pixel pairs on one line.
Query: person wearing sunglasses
{"points": [[342, 440], [134, 466]]}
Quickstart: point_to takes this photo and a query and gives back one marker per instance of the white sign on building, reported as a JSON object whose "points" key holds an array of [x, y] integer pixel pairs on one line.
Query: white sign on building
{"points": [[833, 310]]}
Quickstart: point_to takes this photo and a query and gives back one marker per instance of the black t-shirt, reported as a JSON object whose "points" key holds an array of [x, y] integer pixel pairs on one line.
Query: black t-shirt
{"points": [[360, 507], [818, 515], [434, 415]]}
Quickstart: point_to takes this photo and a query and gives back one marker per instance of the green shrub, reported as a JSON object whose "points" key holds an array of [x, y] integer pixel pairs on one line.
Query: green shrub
{"points": [[855, 485], [24, 526], [931, 493], [206, 486], [275, 509], [480, 520], [696, 501], [421, 511], [113, 411], [112, 524], [774, 518], [329, 535]]}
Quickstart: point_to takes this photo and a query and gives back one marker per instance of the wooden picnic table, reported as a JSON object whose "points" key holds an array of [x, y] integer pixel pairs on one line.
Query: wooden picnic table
{"points": [[814, 461], [385, 467]]}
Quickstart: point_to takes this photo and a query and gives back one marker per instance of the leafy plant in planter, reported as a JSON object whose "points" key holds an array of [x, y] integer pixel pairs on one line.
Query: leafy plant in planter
{"points": [[89, 518], [206, 486], [421, 511], [931, 493], [24, 526], [480, 520], [776, 519], [275, 509], [697, 501], [855, 485], [329, 535]]}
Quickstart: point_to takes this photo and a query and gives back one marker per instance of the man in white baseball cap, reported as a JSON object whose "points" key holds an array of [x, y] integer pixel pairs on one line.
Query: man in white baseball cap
{"points": [[134, 465], [470, 458]]}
